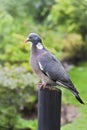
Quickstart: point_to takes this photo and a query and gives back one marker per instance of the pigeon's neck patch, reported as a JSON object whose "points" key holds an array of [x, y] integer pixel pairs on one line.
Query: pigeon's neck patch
{"points": [[39, 46]]}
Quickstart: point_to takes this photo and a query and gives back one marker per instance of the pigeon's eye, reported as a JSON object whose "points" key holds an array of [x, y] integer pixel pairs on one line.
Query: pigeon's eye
{"points": [[30, 37]]}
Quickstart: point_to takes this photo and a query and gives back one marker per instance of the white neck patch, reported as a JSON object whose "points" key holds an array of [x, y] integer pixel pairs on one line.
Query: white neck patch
{"points": [[39, 46]]}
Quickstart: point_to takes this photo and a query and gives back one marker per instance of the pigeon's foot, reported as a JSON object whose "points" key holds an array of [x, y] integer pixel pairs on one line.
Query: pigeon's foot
{"points": [[42, 85]]}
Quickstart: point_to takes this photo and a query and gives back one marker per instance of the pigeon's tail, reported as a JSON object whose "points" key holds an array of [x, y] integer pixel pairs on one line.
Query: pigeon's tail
{"points": [[73, 90], [76, 94], [78, 98], [71, 87]]}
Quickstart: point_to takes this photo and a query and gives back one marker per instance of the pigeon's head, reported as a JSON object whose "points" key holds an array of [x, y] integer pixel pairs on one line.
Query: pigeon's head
{"points": [[34, 38]]}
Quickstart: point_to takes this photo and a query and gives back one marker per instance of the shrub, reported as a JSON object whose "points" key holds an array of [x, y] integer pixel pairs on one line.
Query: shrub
{"points": [[74, 47], [69, 16], [17, 91]]}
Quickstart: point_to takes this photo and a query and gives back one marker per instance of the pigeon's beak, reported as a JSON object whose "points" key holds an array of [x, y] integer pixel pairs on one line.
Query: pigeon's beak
{"points": [[27, 40]]}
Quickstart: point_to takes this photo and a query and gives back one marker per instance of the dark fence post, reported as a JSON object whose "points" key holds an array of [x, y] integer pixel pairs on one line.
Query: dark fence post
{"points": [[49, 109]]}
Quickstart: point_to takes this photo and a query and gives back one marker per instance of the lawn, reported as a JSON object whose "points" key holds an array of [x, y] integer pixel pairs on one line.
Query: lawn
{"points": [[79, 77]]}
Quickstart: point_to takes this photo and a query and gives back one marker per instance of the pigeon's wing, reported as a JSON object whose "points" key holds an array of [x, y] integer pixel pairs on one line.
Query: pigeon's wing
{"points": [[53, 68]]}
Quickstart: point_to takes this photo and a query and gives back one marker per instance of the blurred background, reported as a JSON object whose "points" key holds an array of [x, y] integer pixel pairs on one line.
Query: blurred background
{"points": [[63, 28]]}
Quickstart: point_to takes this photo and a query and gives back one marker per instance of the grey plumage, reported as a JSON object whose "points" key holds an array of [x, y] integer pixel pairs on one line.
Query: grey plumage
{"points": [[48, 68]]}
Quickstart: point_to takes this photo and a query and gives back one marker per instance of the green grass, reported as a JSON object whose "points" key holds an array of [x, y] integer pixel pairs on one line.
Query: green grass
{"points": [[79, 77], [80, 123]]}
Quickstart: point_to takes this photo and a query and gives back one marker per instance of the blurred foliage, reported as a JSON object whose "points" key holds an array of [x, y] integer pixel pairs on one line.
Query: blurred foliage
{"points": [[13, 48], [69, 16], [13, 32], [61, 24], [74, 47], [65, 16], [38, 9], [17, 92], [58, 18]]}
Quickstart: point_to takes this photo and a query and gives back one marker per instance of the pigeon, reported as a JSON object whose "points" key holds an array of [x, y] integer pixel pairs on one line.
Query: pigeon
{"points": [[48, 68]]}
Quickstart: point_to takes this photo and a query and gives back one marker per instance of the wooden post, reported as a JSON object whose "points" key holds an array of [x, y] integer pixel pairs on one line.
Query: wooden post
{"points": [[49, 109]]}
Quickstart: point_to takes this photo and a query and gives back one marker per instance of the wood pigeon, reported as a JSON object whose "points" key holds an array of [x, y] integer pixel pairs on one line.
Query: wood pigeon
{"points": [[48, 68]]}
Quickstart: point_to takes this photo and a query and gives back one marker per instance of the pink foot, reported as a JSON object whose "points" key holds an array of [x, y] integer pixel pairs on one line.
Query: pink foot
{"points": [[42, 85]]}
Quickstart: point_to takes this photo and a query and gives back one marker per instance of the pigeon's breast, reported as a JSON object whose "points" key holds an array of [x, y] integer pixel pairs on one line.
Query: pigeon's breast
{"points": [[36, 69], [34, 64]]}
